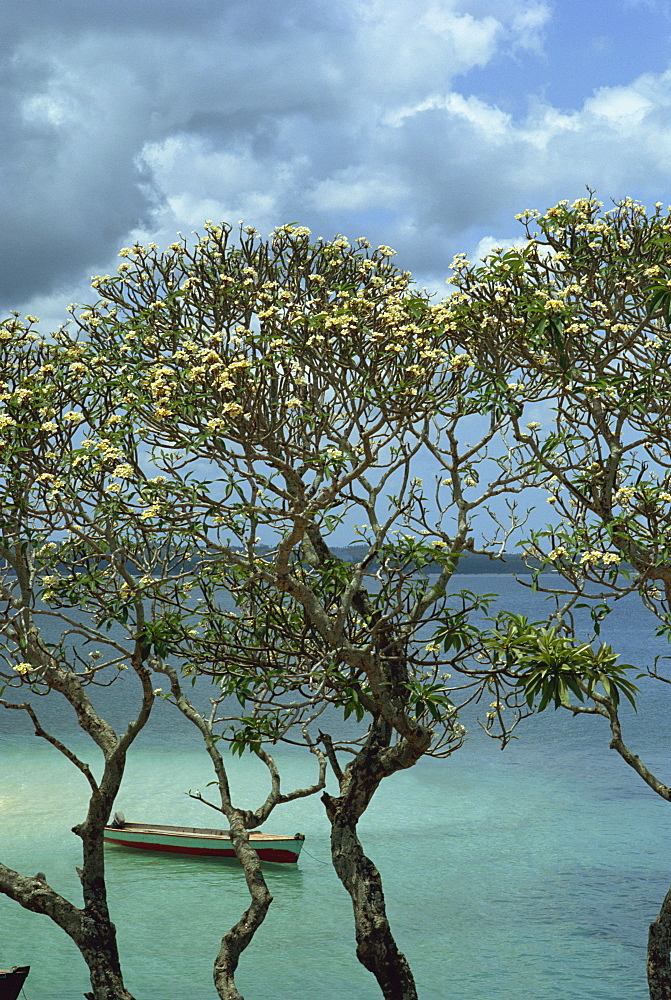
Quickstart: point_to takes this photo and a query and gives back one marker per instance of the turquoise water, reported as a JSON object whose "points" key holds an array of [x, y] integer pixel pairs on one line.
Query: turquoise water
{"points": [[524, 875]]}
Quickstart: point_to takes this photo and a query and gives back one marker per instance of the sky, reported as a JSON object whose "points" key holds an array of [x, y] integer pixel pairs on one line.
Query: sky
{"points": [[424, 125]]}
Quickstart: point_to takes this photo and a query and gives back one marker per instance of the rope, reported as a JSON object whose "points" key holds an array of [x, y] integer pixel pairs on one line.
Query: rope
{"points": [[305, 851]]}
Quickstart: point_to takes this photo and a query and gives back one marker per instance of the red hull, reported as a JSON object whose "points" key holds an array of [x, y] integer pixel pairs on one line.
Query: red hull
{"points": [[265, 854]]}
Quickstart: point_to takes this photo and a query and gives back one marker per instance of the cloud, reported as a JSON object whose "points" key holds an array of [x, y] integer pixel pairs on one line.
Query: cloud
{"points": [[529, 26], [364, 117]]}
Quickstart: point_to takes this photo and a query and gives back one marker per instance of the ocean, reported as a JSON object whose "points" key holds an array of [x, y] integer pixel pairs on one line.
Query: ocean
{"points": [[525, 874]]}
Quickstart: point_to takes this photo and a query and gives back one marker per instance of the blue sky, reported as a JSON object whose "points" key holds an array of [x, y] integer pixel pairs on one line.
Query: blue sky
{"points": [[425, 125]]}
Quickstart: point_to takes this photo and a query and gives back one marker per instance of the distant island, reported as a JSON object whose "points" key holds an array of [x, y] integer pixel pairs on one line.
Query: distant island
{"points": [[470, 562]]}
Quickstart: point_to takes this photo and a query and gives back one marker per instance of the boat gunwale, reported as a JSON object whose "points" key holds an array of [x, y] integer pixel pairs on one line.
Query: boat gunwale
{"points": [[195, 832]]}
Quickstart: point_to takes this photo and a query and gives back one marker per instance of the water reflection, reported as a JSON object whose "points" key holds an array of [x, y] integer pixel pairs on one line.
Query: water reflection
{"points": [[127, 867]]}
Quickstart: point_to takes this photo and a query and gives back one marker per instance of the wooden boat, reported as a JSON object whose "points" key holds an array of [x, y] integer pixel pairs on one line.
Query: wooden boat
{"points": [[11, 981], [199, 841]]}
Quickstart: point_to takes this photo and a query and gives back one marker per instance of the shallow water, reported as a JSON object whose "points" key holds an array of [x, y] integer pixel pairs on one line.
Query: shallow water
{"points": [[524, 875]]}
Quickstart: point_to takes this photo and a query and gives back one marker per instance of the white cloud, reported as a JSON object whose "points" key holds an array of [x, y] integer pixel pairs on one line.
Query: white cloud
{"points": [[623, 107], [529, 24], [202, 182], [473, 39], [488, 244], [355, 189], [50, 110], [479, 114]]}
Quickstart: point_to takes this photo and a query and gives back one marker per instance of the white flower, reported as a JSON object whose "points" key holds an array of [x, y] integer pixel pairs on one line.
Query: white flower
{"points": [[557, 553], [610, 559]]}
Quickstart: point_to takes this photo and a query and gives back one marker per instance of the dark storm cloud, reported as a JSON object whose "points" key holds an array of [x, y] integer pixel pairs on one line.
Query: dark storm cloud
{"points": [[84, 85]]}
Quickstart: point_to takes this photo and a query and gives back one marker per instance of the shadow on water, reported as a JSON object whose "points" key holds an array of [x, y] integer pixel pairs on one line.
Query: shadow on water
{"points": [[127, 866]]}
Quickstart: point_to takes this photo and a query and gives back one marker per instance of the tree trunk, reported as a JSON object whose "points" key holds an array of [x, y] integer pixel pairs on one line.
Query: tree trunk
{"points": [[659, 946], [98, 945], [236, 940], [105, 977], [94, 934], [376, 948]]}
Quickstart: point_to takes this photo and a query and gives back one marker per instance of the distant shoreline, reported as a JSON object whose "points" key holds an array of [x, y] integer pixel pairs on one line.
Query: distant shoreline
{"points": [[469, 563]]}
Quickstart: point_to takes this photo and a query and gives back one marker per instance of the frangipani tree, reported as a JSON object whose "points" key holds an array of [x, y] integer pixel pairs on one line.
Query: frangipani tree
{"points": [[75, 555], [293, 393], [59, 647], [577, 320]]}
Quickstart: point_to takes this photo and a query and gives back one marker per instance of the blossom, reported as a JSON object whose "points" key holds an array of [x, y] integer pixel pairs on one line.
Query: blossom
{"points": [[233, 409], [125, 471], [624, 495], [458, 362], [23, 668], [153, 511], [611, 559]]}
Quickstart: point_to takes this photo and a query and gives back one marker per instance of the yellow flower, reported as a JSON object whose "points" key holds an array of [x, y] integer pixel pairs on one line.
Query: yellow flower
{"points": [[217, 424], [557, 553], [150, 512], [233, 409], [125, 471]]}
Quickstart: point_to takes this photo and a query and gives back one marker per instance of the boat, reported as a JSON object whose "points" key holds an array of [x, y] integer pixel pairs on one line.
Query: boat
{"points": [[199, 841], [11, 981]]}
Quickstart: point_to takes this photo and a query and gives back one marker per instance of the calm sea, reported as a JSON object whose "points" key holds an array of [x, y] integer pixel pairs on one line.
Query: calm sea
{"points": [[526, 874]]}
